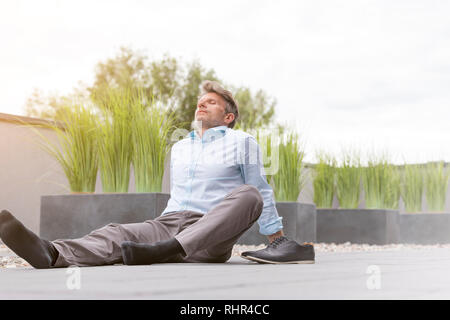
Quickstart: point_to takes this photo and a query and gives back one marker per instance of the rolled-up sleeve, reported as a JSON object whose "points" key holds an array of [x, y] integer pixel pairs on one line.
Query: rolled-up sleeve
{"points": [[252, 170]]}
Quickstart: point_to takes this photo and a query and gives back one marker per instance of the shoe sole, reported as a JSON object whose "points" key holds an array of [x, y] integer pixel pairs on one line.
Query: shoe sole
{"points": [[277, 262]]}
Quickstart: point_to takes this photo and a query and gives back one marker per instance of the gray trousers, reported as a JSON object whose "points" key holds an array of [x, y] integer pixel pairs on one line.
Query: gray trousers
{"points": [[206, 237]]}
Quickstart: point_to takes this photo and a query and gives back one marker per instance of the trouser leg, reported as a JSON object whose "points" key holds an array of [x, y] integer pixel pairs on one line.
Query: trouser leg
{"points": [[211, 238], [102, 246]]}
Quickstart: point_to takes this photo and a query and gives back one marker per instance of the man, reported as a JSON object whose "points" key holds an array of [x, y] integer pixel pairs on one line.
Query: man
{"points": [[217, 193]]}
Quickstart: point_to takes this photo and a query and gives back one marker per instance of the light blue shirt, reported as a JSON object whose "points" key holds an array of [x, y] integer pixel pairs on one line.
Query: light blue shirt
{"points": [[204, 170]]}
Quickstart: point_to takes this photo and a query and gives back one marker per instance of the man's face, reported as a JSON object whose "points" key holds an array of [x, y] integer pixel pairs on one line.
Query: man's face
{"points": [[211, 111]]}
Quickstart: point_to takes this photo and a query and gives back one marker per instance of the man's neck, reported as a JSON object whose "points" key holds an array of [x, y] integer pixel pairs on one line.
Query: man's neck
{"points": [[201, 132], [203, 129]]}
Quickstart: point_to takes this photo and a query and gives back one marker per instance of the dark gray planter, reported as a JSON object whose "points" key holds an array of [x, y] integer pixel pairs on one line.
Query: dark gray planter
{"points": [[299, 224], [371, 226], [425, 228], [75, 215]]}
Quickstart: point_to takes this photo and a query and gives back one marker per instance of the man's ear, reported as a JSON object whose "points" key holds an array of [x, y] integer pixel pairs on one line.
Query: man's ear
{"points": [[229, 117]]}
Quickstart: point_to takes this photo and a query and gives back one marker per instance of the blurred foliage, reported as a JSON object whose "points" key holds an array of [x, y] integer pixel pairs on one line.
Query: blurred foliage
{"points": [[175, 84], [52, 106], [255, 110]]}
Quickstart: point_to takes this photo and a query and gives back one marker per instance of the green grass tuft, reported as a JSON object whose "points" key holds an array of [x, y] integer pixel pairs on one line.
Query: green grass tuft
{"points": [[289, 180], [381, 181], [324, 179], [412, 187], [348, 179], [436, 184]]}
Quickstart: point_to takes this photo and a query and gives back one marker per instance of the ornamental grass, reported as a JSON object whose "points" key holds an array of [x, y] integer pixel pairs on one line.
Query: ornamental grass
{"points": [[412, 187], [288, 181], [114, 135], [348, 179], [436, 184], [381, 182], [76, 150], [152, 126], [324, 179]]}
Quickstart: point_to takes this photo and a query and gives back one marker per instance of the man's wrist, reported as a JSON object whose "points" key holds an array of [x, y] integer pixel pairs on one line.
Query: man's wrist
{"points": [[274, 236]]}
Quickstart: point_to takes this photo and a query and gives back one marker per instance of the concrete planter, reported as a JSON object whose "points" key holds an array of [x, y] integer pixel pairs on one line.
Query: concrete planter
{"points": [[75, 215], [299, 224], [371, 226], [425, 228]]}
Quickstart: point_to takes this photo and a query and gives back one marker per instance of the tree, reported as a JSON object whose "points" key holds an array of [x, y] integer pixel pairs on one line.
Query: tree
{"points": [[132, 71], [255, 111], [166, 75], [165, 80], [52, 106], [128, 70]]}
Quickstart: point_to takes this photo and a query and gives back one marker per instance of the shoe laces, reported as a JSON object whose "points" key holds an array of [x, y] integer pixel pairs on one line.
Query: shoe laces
{"points": [[275, 243]]}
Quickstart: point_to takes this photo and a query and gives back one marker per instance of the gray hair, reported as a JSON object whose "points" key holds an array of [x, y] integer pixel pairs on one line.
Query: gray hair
{"points": [[231, 106]]}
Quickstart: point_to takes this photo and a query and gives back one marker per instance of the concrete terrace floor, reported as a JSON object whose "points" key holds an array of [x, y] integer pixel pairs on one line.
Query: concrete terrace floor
{"points": [[404, 274]]}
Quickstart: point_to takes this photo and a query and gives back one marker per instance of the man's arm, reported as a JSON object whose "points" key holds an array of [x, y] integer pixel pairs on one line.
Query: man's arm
{"points": [[252, 170]]}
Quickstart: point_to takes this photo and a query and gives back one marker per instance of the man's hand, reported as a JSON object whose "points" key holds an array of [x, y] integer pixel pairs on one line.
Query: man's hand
{"points": [[274, 236]]}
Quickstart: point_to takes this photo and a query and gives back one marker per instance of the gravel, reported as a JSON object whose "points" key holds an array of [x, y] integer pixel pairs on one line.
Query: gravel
{"points": [[9, 260]]}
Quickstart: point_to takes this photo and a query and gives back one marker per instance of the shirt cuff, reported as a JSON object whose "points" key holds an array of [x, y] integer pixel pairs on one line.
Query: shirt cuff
{"points": [[272, 227]]}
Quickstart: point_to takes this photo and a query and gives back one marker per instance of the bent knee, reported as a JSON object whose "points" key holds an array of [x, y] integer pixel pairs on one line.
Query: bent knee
{"points": [[252, 194], [248, 194]]}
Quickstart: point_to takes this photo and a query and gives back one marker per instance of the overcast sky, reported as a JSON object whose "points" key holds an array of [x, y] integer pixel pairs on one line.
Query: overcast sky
{"points": [[370, 74]]}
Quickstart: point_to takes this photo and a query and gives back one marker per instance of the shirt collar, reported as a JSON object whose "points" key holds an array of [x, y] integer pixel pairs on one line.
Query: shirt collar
{"points": [[209, 135]]}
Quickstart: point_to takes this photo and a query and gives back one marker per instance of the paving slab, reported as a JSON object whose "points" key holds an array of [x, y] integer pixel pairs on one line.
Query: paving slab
{"points": [[405, 274]]}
